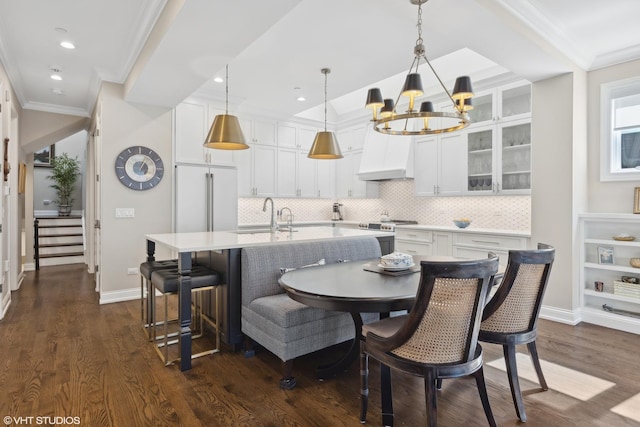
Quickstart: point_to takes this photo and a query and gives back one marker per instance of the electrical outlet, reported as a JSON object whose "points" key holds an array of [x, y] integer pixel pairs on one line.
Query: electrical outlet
{"points": [[132, 270]]}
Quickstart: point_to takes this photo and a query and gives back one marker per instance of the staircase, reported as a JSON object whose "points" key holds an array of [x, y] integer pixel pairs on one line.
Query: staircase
{"points": [[58, 240]]}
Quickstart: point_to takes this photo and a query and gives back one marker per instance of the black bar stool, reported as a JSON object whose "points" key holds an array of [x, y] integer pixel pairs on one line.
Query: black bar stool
{"points": [[166, 281], [146, 303]]}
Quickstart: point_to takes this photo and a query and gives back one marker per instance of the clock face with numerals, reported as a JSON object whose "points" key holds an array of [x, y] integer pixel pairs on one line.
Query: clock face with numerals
{"points": [[139, 168]]}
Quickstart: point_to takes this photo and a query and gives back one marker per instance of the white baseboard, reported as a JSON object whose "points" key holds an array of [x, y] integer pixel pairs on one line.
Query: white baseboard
{"points": [[119, 296], [560, 315], [29, 266], [6, 305]]}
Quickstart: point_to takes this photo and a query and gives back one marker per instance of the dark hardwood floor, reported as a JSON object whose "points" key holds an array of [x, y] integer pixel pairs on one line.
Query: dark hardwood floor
{"points": [[64, 355]]}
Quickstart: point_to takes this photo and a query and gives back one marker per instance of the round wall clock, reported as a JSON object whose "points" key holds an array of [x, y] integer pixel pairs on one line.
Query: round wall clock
{"points": [[139, 168]]}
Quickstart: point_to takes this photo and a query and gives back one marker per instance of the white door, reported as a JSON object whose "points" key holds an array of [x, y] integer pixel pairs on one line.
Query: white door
{"points": [[307, 175], [287, 168], [5, 292], [97, 182], [264, 169]]}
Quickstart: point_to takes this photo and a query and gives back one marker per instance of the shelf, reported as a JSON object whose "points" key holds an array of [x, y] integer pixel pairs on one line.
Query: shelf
{"points": [[612, 267], [597, 230], [517, 147], [484, 151], [515, 173], [610, 296], [613, 242]]}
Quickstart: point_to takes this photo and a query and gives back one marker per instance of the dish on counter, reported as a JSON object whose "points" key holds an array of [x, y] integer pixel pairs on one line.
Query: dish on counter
{"points": [[462, 222], [398, 268]]}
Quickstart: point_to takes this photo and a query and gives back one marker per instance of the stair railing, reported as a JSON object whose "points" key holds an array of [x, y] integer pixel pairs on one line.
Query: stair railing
{"points": [[36, 243]]}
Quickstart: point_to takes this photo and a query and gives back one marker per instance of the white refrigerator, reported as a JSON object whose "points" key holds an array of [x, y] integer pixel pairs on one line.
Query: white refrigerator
{"points": [[206, 198]]}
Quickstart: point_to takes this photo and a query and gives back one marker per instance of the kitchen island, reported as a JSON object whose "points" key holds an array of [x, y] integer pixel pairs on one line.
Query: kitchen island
{"points": [[220, 250]]}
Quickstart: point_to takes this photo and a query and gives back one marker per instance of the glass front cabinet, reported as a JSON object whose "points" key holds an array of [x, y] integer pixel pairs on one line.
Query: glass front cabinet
{"points": [[499, 142]]}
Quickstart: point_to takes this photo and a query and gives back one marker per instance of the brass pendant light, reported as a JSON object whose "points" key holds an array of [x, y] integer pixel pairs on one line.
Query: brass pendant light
{"points": [[225, 132], [325, 145], [417, 121]]}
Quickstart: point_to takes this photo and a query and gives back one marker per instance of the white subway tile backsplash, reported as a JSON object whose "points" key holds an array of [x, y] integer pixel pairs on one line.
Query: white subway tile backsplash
{"points": [[397, 197]]}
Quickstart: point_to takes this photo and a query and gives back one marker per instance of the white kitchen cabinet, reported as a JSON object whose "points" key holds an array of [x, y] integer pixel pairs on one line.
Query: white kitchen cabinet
{"points": [[596, 242], [499, 141], [351, 138], [287, 172], [499, 158], [257, 171], [306, 136], [192, 121], [440, 166], [508, 102], [478, 245], [189, 133], [259, 131], [287, 135], [348, 185], [420, 241], [325, 178], [205, 198]]}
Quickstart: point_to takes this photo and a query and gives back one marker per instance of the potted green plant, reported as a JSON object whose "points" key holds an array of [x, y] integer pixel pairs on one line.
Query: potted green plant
{"points": [[64, 173]]}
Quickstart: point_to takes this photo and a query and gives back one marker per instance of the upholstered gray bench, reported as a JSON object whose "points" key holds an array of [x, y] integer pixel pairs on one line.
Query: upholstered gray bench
{"points": [[286, 327]]}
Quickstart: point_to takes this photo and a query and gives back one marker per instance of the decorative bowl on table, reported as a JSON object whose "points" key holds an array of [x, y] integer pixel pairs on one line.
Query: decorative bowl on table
{"points": [[396, 261], [462, 222]]}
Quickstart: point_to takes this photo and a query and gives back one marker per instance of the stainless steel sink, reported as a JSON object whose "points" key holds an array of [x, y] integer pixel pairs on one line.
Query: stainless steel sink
{"points": [[263, 231], [252, 231]]}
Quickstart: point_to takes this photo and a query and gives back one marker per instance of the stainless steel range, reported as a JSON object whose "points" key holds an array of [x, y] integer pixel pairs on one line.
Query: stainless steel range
{"points": [[384, 226]]}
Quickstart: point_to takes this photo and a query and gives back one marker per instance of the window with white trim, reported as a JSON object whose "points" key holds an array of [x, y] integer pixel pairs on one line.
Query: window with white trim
{"points": [[620, 130]]}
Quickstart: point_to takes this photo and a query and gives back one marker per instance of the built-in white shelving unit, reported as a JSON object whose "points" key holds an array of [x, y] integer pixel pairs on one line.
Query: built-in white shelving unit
{"points": [[596, 265]]}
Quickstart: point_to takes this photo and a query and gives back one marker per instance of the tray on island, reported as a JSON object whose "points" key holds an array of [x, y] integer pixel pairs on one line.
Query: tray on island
{"points": [[376, 269]]}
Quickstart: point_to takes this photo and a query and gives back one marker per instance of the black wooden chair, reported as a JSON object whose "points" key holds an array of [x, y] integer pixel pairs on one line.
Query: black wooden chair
{"points": [[438, 338], [511, 316]]}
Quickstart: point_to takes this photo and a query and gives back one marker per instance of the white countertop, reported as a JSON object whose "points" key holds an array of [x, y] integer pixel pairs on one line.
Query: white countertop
{"points": [[219, 240], [470, 229]]}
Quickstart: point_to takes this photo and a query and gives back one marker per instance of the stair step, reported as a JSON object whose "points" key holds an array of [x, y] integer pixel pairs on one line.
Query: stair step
{"points": [[62, 255], [60, 226], [56, 245], [59, 217], [40, 236]]}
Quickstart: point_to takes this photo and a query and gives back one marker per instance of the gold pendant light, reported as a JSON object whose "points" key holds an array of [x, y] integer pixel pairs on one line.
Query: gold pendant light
{"points": [[225, 132], [417, 121], [325, 145]]}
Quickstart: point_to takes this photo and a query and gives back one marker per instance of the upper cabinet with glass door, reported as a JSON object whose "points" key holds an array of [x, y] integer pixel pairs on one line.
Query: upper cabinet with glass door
{"points": [[509, 102], [499, 141]]}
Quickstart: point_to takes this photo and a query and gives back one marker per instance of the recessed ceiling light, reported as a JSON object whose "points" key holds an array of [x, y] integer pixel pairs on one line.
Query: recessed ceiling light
{"points": [[299, 97], [67, 45], [218, 79], [56, 77]]}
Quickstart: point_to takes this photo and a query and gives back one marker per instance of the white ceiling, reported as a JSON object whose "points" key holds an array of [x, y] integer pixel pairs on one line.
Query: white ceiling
{"points": [[172, 49]]}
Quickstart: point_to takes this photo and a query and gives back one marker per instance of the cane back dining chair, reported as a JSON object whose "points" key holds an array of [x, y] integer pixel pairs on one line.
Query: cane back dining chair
{"points": [[438, 338], [510, 317]]}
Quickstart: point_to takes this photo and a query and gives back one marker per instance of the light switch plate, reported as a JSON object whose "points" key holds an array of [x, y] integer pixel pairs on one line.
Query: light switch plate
{"points": [[125, 212]]}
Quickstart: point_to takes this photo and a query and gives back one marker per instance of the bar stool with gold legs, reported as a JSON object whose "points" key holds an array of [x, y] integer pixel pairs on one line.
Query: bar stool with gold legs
{"points": [[166, 281], [146, 306]]}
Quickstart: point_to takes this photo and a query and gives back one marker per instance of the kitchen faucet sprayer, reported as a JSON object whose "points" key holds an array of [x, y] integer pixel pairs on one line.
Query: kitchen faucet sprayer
{"points": [[273, 226]]}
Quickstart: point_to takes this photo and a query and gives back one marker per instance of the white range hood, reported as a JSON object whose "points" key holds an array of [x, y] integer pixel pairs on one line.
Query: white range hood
{"points": [[386, 157]]}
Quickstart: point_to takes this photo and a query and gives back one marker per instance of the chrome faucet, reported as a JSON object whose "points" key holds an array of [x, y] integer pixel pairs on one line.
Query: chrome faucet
{"points": [[273, 225], [289, 218]]}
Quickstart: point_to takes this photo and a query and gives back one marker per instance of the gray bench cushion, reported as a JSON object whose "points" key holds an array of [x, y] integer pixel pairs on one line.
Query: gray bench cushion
{"points": [[286, 327]]}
